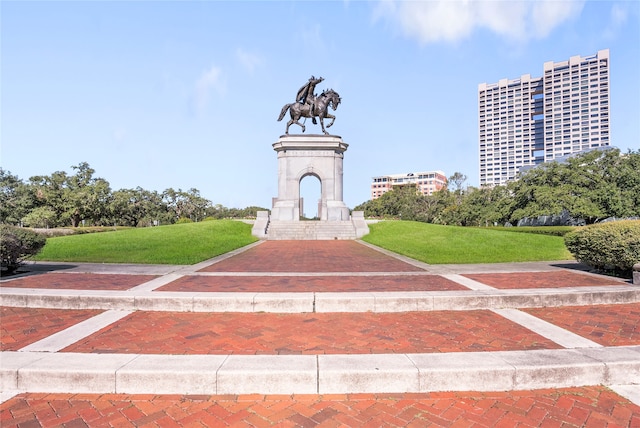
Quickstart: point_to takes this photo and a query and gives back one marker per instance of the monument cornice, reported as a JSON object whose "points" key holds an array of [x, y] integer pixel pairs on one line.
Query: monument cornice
{"points": [[310, 142]]}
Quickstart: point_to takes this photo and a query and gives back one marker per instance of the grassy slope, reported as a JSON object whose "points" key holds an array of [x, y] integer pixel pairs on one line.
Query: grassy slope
{"points": [[187, 243], [194, 242], [448, 244]]}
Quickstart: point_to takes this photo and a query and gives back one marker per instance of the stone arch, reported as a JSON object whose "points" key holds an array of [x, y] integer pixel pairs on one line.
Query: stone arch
{"points": [[300, 156], [309, 171], [307, 206]]}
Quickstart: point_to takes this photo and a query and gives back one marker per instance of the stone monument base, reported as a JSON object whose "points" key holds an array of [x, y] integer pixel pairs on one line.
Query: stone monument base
{"points": [[320, 156], [300, 156], [290, 211]]}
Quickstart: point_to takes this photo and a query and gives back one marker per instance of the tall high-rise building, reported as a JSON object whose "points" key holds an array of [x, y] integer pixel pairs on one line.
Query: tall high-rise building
{"points": [[528, 121]]}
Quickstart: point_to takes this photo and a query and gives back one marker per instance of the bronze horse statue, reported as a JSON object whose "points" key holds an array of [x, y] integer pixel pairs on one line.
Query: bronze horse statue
{"points": [[320, 109]]}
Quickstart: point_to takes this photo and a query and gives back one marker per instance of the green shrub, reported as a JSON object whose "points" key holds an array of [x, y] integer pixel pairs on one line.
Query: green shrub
{"points": [[613, 246], [540, 230], [17, 244]]}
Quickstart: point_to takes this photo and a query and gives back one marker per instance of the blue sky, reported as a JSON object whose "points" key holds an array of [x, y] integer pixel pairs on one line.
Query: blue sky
{"points": [[185, 94]]}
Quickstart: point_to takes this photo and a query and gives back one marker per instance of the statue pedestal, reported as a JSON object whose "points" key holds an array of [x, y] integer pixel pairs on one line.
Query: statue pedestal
{"points": [[302, 155]]}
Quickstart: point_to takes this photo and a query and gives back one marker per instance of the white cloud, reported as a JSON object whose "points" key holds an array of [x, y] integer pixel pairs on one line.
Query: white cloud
{"points": [[248, 60], [454, 20], [547, 15], [617, 19], [618, 14], [208, 81]]}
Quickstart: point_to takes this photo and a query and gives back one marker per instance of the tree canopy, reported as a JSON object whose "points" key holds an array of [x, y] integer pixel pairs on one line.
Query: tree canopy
{"points": [[63, 199], [591, 186]]}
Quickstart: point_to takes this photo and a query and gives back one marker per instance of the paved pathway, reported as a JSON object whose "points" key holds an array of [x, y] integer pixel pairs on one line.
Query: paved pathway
{"points": [[328, 333], [569, 407]]}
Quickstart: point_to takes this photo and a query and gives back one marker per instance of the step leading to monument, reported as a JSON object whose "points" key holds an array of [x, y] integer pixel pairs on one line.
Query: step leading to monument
{"points": [[318, 374], [266, 227], [311, 230]]}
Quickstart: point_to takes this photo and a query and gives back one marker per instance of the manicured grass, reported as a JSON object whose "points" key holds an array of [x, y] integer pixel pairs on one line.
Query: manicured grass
{"points": [[437, 244], [191, 243], [180, 244]]}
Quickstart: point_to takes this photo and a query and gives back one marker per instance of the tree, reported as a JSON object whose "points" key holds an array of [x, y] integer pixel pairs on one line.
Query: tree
{"points": [[441, 207], [139, 207], [73, 198], [61, 199], [591, 186], [88, 197], [16, 198], [457, 179], [50, 191], [403, 202], [42, 217], [186, 204], [483, 207], [614, 181]]}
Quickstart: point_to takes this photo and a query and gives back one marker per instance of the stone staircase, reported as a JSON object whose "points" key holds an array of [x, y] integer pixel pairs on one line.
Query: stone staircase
{"points": [[459, 363], [311, 230], [265, 227]]}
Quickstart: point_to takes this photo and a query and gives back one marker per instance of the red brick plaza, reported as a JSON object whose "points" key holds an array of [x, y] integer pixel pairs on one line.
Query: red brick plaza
{"points": [[319, 333]]}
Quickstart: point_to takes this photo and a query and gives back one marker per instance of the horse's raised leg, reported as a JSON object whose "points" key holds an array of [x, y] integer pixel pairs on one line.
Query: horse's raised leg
{"points": [[322, 124], [332, 117]]}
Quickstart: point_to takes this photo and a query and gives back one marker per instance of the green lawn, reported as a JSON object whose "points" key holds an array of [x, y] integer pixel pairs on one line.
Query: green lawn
{"points": [[194, 242], [181, 244], [437, 244]]}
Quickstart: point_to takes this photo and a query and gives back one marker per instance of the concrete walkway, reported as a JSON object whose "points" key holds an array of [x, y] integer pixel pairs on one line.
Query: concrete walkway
{"points": [[317, 318]]}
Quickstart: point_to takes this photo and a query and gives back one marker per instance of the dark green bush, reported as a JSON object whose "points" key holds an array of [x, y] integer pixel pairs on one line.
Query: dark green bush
{"points": [[613, 246], [17, 244], [540, 230]]}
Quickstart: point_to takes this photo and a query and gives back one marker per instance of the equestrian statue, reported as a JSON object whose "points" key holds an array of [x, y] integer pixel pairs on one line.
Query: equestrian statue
{"points": [[307, 104]]}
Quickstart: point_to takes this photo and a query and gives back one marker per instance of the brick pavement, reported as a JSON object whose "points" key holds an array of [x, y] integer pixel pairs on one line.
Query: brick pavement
{"points": [[316, 333], [569, 407], [311, 256], [608, 325], [283, 284], [555, 279], [78, 281], [313, 333], [23, 326]]}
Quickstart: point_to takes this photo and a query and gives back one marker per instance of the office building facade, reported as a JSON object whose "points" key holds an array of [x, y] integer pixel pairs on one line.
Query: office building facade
{"points": [[425, 182], [528, 121]]}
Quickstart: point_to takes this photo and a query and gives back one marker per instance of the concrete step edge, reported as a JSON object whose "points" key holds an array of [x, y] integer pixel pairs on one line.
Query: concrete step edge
{"points": [[318, 374], [302, 302]]}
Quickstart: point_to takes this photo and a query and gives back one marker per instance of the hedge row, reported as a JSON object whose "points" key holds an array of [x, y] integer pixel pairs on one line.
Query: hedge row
{"points": [[613, 246], [538, 230], [17, 244]]}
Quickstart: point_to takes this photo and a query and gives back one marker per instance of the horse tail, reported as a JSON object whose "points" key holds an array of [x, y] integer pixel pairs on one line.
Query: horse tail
{"points": [[284, 111]]}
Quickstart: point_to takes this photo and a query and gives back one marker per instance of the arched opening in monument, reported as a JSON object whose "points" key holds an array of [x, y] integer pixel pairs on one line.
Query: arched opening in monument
{"points": [[310, 197]]}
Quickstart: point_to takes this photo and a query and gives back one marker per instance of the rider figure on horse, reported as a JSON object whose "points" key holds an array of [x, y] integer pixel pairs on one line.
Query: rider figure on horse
{"points": [[306, 96], [307, 105]]}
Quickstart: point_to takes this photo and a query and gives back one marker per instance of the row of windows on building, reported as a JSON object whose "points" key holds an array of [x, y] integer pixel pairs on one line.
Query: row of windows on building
{"points": [[425, 182], [525, 121]]}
